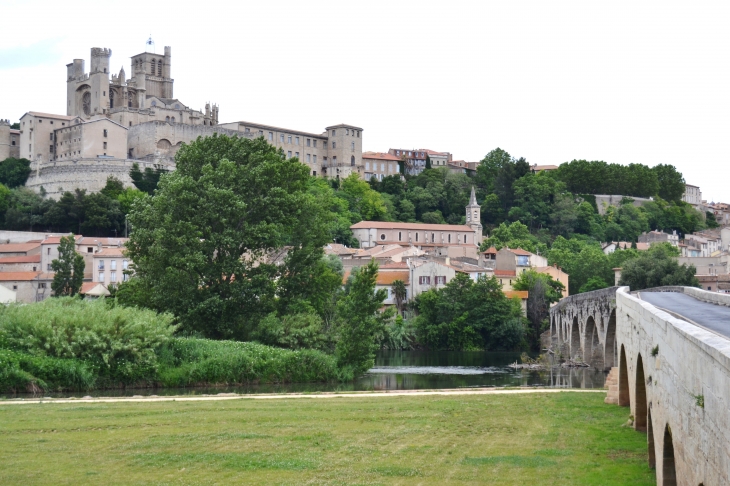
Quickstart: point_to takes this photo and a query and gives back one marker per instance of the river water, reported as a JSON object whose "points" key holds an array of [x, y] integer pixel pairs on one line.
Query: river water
{"points": [[406, 370]]}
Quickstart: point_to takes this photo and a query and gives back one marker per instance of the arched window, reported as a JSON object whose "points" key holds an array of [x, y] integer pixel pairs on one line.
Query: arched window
{"points": [[167, 119], [111, 98], [352, 161], [172, 119], [159, 68]]}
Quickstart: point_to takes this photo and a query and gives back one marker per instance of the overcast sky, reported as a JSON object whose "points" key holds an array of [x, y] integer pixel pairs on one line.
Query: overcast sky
{"points": [[549, 81]]}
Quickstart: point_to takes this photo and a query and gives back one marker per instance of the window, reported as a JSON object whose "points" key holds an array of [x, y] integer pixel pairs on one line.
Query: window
{"points": [[334, 161], [15, 287], [112, 276], [334, 144], [113, 265], [271, 136], [50, 148], [289, 139], [261, 133], [51, 136], [247, 130], [288, 154], [154, 103], [314, 159], [125, 277], [382, 236], [296, 154], [101, 264], [416, 236], [424, 280], [333, 133], [42, 285], [367, 165], [353, 146], [89, 249], [105, 133], [296, 140], [281, 138], [177, 107], [352, 161], [172, 119], [309, 158], [48, 251], [400, 236], [358, 134], [449, 238], [382, 167], [315, 143], [523, 261], [125, 263], [101, 276], [441, 280], [104, 145], [314, 173], [34, 268], [309, 141], [159, 68], [48, 267], [347, 131], [433, 238]]}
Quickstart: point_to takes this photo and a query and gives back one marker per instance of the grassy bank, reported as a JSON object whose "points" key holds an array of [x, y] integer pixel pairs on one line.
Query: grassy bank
{"points": [[546, 439]]}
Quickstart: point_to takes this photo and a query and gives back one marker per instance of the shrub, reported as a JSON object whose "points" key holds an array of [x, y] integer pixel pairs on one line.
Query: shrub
{"points": [[117, 343], [192, 361], [295, 331], [23, 372]]}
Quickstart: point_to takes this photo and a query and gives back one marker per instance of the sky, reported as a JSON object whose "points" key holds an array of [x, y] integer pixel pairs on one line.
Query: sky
{"points": [[624, 82]]}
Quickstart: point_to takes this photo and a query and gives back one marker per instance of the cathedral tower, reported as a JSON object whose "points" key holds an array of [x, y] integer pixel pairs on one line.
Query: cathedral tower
{"points": [[474, 217]]}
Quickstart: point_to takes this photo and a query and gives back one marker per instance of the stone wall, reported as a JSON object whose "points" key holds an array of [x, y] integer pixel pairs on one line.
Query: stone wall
{"points": [[58, 176]]}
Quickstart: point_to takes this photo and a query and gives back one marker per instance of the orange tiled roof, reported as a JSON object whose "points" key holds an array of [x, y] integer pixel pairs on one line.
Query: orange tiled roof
{"points": [[393, 265], [50, 115], [520, 251], [411, 226], [18, 276], [491, 249], [18, 247], [21, 259], [54, 240], [110, 252], [522, 294], [380, 156]]}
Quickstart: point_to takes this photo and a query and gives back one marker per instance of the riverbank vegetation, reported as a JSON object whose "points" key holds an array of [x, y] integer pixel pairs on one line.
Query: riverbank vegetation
{"points": [[536, 438]]}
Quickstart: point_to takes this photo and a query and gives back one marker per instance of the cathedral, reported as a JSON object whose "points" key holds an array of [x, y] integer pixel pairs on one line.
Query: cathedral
{"points": [[113, 122]]}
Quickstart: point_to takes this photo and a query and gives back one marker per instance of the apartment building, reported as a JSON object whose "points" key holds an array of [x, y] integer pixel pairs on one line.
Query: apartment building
{"points": [[379, 165]]}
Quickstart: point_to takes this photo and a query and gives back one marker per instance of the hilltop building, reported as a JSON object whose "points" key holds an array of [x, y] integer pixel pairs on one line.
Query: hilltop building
{"points": [[9, 141]]}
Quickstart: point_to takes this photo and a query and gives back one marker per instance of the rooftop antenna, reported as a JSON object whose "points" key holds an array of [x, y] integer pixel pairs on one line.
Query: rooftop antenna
{"points": [[150, 42]]}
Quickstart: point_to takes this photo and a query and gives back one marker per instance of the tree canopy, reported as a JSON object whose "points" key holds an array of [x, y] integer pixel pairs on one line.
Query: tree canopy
{"points": [[657, 267]]}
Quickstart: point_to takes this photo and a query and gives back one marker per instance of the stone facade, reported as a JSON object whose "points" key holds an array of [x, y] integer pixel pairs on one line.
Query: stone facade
{"points": [[9, 141], [379, 165]]}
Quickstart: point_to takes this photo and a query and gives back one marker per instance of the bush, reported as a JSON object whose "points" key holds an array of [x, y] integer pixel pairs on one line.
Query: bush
{"points": [[295, 331], [192, 361], [117, 343], [21, 372]]}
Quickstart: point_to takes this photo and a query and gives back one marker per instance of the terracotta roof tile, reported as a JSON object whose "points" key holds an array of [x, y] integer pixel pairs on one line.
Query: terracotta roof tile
{"points": [[18, 247], [520, 251], [380, 156], [505, 273], [387, 278], [18, 276], [21, 259], [522, 294], [412, 226]]}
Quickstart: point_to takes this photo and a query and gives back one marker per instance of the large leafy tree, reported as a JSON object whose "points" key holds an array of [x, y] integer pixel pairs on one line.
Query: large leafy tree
{"points": [[671, 182], [657, 267], [147, 180], [229, 237], [69, 268], [14, 172]]}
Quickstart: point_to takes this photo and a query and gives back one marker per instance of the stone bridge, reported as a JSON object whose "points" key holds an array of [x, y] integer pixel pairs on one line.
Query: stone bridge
{"points": [[672, 361]]}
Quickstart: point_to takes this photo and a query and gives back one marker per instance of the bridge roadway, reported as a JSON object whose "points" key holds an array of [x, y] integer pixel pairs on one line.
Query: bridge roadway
{"points": [[712, 317]]}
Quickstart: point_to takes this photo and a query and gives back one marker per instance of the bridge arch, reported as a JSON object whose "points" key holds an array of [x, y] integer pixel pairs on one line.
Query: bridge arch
{"points": [[610, 353], [592, 352], [650, 440], [574, 338], [640, 411], [624, 399], [669, 471]]}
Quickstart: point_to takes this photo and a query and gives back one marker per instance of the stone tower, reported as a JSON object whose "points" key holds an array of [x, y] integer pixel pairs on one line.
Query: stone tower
{"points": [[4, 139], [88, 94], [156, 70], [474, 217]]}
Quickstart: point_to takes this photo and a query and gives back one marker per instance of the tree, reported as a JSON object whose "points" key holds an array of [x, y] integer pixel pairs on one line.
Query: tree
{"points": [[15, 126], [710, 220], [145, 181], [671, 182], [542, 292], [363, 200], [657, 267], [400, 293], [593, 283], [14, 172], [229, 233], [428, 162], [69, 268], [581, 260], [359, 320]]}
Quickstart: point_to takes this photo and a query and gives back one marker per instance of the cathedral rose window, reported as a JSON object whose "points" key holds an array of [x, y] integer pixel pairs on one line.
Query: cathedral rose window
{"points": [[86, 103]]}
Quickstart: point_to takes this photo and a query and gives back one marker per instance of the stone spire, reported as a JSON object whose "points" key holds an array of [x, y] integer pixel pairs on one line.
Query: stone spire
{"points": [[122, 76], [473, 198], [474, 216]]}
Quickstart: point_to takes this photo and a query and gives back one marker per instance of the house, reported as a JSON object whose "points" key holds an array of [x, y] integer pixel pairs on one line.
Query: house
{"points": [[519, 294], [385, 281], [380, 165], [29, 263], [49, 251], [26, 285], [556, 274], [110, 266], [659, 237], [20, 249], [428, 275]]}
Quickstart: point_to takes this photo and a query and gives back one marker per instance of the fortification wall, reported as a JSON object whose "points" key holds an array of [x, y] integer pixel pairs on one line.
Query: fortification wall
{"points": [[57, 177]]}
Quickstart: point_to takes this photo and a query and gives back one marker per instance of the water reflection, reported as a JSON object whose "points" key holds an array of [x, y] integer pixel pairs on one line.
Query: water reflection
{"points": [[405, 370]]}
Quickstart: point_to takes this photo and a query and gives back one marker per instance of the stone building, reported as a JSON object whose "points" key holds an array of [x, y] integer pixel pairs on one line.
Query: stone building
{"points": [[659, 237], [692, 195], [379, 165], [9, 141], [414, 160]]}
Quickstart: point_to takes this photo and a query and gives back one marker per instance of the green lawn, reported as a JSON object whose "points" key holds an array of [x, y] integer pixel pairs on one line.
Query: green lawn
{"points": [[527, 439]]}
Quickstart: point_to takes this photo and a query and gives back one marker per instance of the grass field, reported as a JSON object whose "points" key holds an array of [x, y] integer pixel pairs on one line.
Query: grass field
{"points": [[536, 439]]}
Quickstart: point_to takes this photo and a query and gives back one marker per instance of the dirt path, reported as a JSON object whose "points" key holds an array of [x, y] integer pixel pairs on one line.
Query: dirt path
{"points": [[282, 396]]}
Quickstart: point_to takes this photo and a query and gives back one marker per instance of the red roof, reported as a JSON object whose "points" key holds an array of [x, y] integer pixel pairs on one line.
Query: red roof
{"points": [[520, 251], [110, 252], [505, 273], [411, 226], [522, 294], [491, 249], [18, 247], [387, 278], [393, 266], [17, 276], [55, 240], [380, 156], [21, 259]]}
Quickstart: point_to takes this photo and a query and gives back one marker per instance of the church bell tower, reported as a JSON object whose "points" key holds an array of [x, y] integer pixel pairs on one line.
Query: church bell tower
{"points": [[474, 217]]}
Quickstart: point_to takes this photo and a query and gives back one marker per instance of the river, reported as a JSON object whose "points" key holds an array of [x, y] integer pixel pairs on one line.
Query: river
{"points": [[405, 370]]}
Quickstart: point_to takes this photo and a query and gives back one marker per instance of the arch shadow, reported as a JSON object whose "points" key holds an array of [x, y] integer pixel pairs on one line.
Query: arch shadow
{"points": [[592, 352], [610, 353], [575, 338], [669, 471], [650, 440], [624, 398], [640, 411]]}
